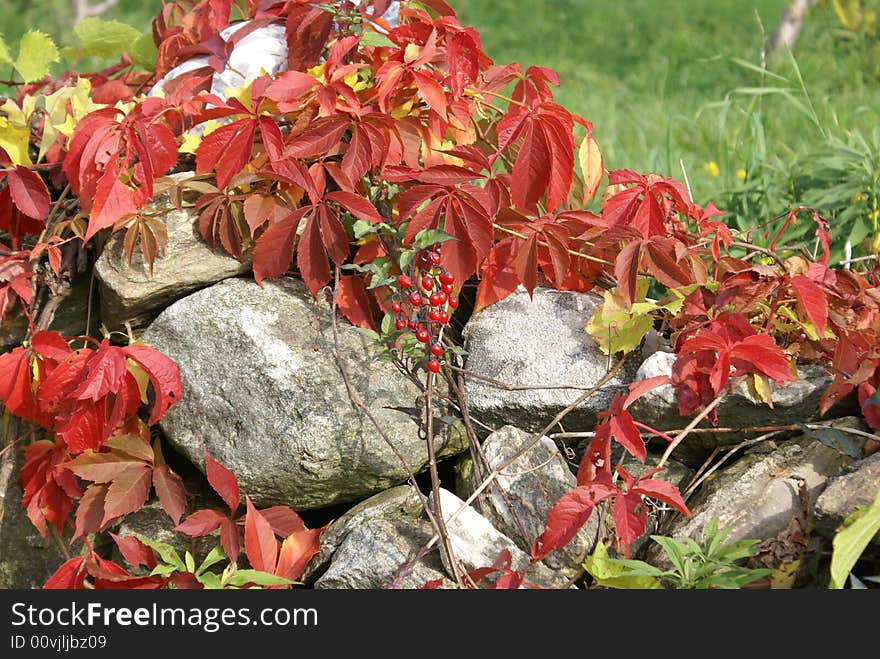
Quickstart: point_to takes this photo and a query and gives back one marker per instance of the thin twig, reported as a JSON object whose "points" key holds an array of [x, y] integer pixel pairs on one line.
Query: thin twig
{"points": [[435, 483], [693, 424], [495, 473], [699, 478]]}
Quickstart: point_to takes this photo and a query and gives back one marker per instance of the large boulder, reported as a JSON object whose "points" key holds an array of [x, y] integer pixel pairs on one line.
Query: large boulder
{"points": [[758, 496], [858, 485], [537, 342], [263, 394], [521, 497], [383, 553], [133, 293]]}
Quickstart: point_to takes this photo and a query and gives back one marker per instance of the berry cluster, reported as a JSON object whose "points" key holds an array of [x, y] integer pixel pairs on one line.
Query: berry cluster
{"points": [[422, 302]]}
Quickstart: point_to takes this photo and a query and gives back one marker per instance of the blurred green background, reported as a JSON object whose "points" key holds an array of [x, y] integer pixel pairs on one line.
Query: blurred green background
{"points": [[676, 86]]}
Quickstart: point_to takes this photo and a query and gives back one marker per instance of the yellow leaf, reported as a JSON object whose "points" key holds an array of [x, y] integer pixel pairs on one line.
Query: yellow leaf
{"points": [[761, 386], [142, 379], [36, 51], [15, 134], [610, 574], [592, 167], [190, 143]]}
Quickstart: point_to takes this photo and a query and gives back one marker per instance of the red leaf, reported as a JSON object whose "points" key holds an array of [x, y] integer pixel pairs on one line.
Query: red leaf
{"points": [[641, 387], [525, 263], [90, 511], [626, 270], [169, 488], [259, 540], [274, 248], [85, 428], [50, 344], [223, 481], [283, 520], [813, 301], [630, 519], [163, 374], [226, 150], [353, 302], [497, 277], [135, 552], [201, 522], [356, 205], [568, 515], [764, 355], [296, 551], [665, 269], [625, 432], [29, 192], [663, 491], [127, 492], [531, 170], [105, 370], [113, 200], [69, 576], [229, 539], [312, 259]]}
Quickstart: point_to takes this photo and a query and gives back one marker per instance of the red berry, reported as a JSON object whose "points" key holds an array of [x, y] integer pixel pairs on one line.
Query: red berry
{"points": [[453, 302], [411, 324], [437, 349], [395, 307], [434, 299], [434, 257], [427, 283], [434, 315], [441, 297], [434, 366], [403, 281], [423, 336], [399, 324], [448, 288], [415, 299], [447, 278], [444, 317]]}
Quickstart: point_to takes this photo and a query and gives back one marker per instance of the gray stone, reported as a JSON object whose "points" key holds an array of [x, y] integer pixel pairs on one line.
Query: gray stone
{"points": [[521, 498], [27, 559], [371, 555], [476, 543], [263, 394], [130, 292], [537, 343], [857, 485], [757, 496], [793, 402], [397, 503]]}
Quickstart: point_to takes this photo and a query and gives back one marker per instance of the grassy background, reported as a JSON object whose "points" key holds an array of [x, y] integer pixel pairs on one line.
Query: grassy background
{"points": [[662, 80]]}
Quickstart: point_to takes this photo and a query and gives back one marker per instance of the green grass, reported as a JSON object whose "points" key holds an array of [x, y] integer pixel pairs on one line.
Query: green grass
{"points": [[653, 77]]}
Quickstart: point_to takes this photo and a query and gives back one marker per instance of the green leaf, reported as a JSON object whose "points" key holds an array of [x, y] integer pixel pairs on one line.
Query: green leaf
{"points": [[210, 580], [190, 562], [143, 52], [5, 55], [242, 577], [99, 37], [35, 52], [214, 556], [163, 570], [405, 257], [674, 550], [362, 228], [166, 552], [850, 542], [611, 573], [427, 237], [370, 334], [372, 38]]}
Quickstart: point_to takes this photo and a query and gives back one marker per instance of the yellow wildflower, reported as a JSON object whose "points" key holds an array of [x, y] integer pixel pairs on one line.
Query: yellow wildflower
{"points": [[713, 169]]}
